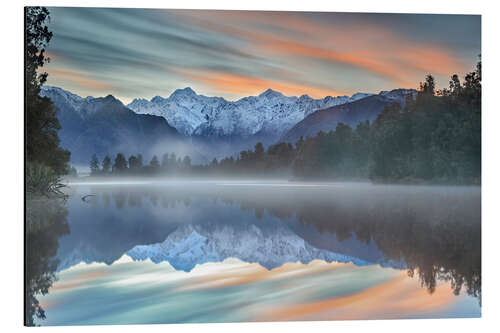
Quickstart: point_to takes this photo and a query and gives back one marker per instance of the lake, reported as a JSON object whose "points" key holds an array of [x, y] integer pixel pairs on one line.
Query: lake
{"points": [[231, 251]]}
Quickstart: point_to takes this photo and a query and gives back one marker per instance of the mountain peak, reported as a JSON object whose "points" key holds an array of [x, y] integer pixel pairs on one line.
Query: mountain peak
{"points": [[51, 90], [112, 99], [184, 92], [269, 93], [157, 99], [360, 95], [188, 90], [108, 100], [398, 93], [138, 100]]}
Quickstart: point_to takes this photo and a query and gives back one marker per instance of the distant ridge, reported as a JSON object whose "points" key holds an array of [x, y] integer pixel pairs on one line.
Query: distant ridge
{"points": [[350, 114], [105, 126], [192, 123], [268, 115]]}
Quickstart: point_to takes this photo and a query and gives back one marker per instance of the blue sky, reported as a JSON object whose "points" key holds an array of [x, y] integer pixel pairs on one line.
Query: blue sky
{"points": [[147, 52]]}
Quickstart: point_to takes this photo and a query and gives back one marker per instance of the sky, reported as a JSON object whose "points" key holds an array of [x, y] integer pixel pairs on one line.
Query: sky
{"points": [[143, 292], [142, 53]]}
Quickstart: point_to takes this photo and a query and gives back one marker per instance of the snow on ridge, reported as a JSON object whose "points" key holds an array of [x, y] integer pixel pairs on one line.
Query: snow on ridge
{"points": [[70, 102], [271, 112], [189, 246]]}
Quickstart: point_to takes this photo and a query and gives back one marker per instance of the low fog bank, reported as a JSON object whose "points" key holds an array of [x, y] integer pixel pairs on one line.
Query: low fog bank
{"points": [[279, 192], [434, 231], [276, 179]]}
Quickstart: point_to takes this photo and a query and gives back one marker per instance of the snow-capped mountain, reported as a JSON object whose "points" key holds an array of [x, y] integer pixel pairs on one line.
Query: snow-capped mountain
{"points": [[83, 107], [184, 109], [197, 224], [399, 94], [366, 108], [208, 126], [105, 126], [191, 245], [269, 114]]}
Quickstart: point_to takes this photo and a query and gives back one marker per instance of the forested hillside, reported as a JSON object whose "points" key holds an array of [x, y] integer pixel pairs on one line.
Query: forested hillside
{"points": [[435, 137]]}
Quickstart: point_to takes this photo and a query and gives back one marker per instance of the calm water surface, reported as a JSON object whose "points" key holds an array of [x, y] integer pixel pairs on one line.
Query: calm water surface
{"points": [[178, 252]]}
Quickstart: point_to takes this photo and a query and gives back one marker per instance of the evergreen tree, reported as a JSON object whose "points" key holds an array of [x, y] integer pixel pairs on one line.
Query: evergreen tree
{"points": [[139, 161], [429, 86], [120, 164], [164, 161], [259, 149], [133, 163], [244, 156], [186, 162], [94, 165], [106, 164], [172, 162], [42, 141], [154, 162]]}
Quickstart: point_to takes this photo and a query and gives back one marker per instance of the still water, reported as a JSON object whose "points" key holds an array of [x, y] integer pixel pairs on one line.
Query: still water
{"points": [[218, 251]]}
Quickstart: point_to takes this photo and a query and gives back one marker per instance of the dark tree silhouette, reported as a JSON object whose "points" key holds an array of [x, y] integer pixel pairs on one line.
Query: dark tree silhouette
{"points": [[154, 162], [164, 161], [186, 162], [429, 86], [94, 165], [120, 164], [42, 141], [139, 161], [106, 164], [133, 164], [45, 223]]}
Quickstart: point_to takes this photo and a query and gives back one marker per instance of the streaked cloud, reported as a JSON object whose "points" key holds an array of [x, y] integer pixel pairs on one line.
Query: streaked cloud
{"points": [[240, 85], [146, 52], [374, 48], [81, 79], [396, 298], [233, 290]]}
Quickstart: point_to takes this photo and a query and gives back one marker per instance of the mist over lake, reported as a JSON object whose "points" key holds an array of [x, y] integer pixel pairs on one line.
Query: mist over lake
{"points": [[237, 246]]}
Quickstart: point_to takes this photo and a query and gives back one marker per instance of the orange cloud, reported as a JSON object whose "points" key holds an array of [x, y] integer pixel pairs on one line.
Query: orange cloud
{"points": [[79, 78], [252, 273], [397, 62], [399, 297], [246, 85], [374, 48], [286, 271], [367, 62], [79, 280]]}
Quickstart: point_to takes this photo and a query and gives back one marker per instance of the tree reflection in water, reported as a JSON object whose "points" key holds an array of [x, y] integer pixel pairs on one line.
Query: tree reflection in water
{"points": [[45, 223], [435, 231]]}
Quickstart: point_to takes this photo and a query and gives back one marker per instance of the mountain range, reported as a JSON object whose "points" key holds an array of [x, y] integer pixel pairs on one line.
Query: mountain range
{"points": [[186, 245], [203, 127], [350, 114], [190, 245], [270, 113], [105, 126]]}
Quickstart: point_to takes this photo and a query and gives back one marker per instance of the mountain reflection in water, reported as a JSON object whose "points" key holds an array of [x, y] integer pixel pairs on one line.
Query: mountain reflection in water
{"points": [[430, 233]]}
